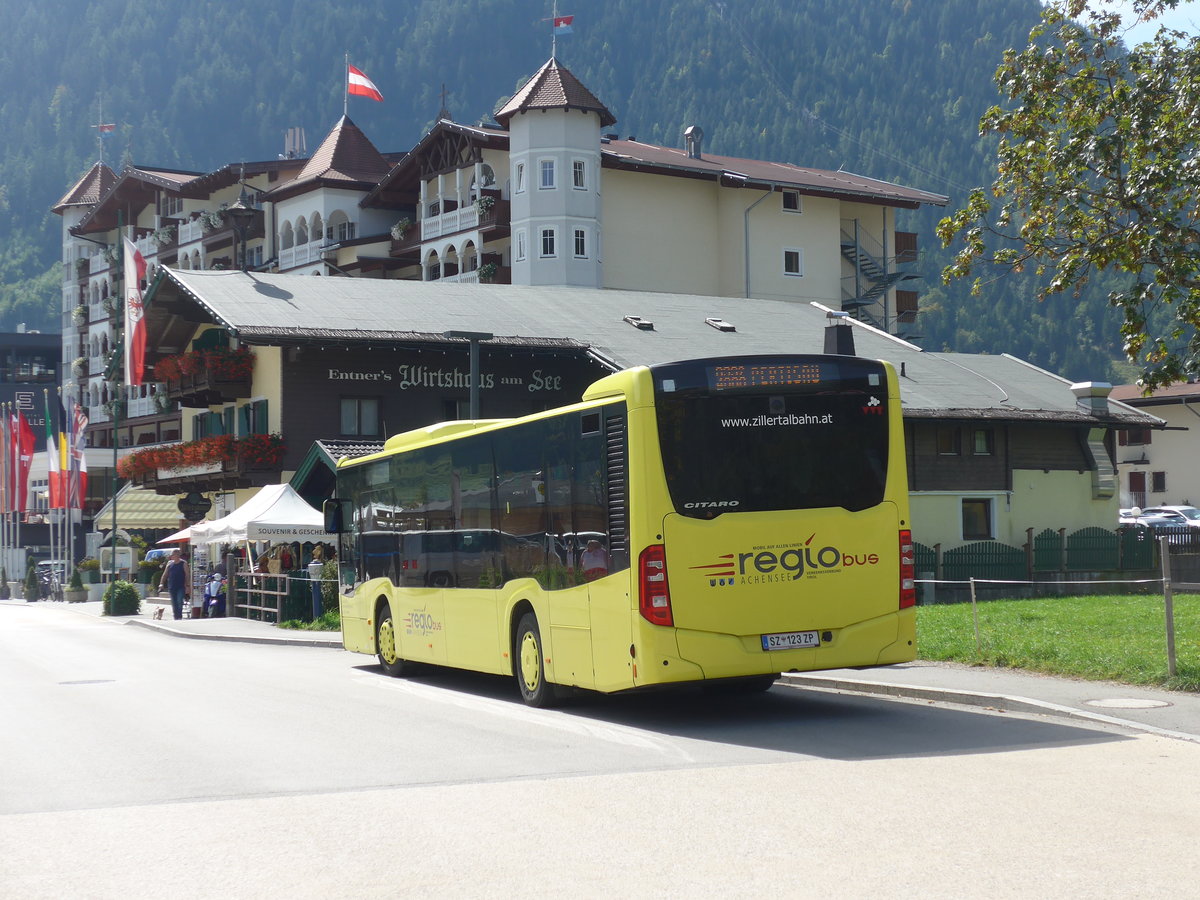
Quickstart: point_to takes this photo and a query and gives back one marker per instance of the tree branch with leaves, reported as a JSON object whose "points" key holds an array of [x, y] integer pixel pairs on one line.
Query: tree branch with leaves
{"points": [[1097, 171]]}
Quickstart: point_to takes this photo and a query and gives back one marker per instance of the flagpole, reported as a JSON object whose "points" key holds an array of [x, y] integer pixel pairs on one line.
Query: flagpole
{"points": [[62, 528], [346, 86], [17, 494], [5, 543], [553, 31], [49, 471], [119, 316], [71, 478]]}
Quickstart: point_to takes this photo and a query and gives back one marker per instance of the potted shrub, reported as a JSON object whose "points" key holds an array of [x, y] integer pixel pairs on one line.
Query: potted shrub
{"points": [[121, 598], [33, 588], [487, 271], [148, 570], [5, 590], [90, 567], [75, 592]]}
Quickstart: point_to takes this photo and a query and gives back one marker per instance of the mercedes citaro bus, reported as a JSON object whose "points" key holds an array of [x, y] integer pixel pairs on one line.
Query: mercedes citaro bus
{"points": [[711, 520]]}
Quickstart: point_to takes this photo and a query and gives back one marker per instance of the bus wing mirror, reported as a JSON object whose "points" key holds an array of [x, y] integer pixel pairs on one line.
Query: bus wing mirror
{"points": [[334, 517]]}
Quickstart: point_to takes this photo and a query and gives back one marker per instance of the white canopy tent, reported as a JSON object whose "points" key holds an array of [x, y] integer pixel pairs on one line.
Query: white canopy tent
{"points": [[276, 513]]}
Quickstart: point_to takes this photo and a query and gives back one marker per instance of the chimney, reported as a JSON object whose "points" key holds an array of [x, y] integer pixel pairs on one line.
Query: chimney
{"points": [[693, 135], [1091, 397], [839, 334]]}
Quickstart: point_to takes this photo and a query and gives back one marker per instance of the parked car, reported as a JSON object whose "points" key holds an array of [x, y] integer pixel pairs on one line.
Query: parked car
{"points": [[1149, 518], [1181, 515], [157, 554]]}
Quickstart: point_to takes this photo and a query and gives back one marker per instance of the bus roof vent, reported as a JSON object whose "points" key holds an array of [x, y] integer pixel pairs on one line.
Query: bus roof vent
{"points": [[719, 324], [639, 323]]}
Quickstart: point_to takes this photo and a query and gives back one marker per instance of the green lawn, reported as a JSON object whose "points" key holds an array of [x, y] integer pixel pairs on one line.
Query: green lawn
{"points": [[1117, 638]]}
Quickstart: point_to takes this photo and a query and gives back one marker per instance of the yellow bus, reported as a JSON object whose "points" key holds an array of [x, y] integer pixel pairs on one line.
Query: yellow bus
{"points": [[713, 520]]}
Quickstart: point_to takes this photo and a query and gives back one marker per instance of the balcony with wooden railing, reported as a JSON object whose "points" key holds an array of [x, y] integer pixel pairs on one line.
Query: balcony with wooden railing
{"points": [[203, 378], [219, 463]]}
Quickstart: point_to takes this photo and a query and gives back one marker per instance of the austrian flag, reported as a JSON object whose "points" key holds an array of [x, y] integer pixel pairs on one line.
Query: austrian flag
{"points": [[360, 85]]}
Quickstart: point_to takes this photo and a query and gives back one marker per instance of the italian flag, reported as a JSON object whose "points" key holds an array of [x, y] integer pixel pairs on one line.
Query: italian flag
{"points": [[360, 85]]}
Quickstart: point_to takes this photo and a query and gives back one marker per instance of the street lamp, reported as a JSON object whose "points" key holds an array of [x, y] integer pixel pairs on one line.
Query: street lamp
{"points": [[474, 337], [242, 213]]}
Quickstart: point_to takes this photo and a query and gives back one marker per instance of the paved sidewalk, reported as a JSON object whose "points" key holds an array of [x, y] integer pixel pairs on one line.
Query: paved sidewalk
{"points": [[1172, 713], [226, 629]]}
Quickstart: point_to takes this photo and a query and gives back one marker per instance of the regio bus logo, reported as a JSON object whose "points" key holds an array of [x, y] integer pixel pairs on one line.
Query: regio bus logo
{"points": [[421, 622], [781, 563]]}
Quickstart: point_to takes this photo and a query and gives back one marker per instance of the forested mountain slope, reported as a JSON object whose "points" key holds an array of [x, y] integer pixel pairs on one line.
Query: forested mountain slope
{"points": [[888, 89]]}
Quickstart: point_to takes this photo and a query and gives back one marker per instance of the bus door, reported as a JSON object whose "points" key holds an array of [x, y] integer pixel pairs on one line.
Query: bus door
{"points": [[419, 608]]}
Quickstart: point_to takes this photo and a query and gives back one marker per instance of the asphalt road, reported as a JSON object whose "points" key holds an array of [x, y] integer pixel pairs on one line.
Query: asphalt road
{"points": [[136, 764]]}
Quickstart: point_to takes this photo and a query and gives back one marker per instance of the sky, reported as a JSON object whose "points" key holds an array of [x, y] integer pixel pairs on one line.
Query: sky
{"points": [[1184, 17]]}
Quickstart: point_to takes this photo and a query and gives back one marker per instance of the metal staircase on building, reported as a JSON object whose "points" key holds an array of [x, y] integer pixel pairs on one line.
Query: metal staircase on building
{"points": [[873, 279]]}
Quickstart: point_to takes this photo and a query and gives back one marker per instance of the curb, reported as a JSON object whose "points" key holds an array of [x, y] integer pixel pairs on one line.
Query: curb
{"points": [[997, 702], [237, 639]]}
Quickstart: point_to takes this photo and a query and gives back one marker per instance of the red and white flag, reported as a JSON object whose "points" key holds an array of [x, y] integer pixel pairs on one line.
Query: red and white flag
{"points": [[360, 85], [135, 326], [77, 486], [24, 460]]}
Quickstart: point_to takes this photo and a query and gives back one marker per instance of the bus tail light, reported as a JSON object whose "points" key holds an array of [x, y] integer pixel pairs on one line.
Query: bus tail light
{"points": [[654, 596], [908, 570]]}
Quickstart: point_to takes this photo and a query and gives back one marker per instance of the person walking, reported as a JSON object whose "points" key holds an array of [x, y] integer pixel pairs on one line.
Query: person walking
{"points": [[315, 565], [176, 579]]}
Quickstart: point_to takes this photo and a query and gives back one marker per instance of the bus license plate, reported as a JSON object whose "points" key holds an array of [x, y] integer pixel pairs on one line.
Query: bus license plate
{"points": [[791, 640]]}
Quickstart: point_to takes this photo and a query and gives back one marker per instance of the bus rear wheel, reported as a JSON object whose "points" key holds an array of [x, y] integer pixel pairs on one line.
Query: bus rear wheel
{"points": [[529, 666], [385, 644]]}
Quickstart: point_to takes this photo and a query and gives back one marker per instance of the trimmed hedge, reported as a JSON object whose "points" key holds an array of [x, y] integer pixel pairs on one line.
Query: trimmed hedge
{"points": [[121, 598]]}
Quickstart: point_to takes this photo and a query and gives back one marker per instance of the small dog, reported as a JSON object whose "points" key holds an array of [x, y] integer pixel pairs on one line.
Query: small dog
{"points": [[158, 612]]}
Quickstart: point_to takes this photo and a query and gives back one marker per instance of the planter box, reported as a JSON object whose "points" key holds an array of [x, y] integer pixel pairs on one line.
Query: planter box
{"points": [[75, 596]]}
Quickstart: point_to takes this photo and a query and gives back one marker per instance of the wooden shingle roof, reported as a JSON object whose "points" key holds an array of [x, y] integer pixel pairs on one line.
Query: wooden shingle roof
{"points": [[554, 87]]}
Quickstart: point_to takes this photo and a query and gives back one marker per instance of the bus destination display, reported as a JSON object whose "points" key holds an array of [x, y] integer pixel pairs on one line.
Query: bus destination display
{"points": [[749, 375]]}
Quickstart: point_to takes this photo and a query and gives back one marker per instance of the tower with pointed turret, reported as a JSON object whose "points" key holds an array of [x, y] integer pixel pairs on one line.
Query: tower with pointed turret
{"points": [[554, 125]]}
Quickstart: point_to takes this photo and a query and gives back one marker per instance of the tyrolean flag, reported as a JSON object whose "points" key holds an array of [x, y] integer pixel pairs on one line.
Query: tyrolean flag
{"points": [[78, 427], [135, 326], [562, 24]]}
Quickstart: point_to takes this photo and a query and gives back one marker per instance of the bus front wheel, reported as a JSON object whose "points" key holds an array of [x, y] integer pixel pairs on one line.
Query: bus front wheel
{"points": [[385, 644], [528, 664]]}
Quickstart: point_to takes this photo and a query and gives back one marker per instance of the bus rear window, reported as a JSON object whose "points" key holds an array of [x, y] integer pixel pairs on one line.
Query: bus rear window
{"points": [[775, 447]]}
